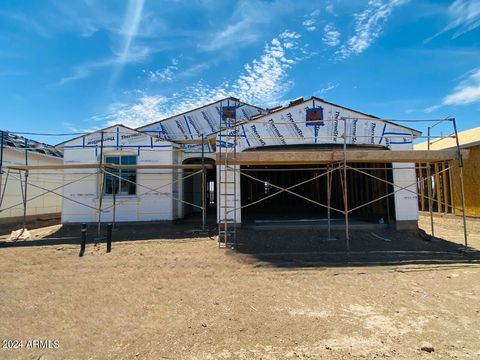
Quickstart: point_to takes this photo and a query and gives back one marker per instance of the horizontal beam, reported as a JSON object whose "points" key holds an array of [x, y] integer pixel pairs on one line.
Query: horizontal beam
{"points": [[290, 157], [191, 141], [108, 166]]}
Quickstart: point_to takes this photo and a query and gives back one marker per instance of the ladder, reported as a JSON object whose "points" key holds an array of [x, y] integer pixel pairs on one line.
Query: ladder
{"points": [[227, 186]]}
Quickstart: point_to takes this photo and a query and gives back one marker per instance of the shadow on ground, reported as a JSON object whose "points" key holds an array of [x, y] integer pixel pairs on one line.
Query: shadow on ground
{"points": [[310, 248], [156, 231], [283, 248]]}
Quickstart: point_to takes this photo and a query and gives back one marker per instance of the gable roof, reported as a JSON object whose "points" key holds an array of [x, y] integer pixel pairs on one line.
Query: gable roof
{"points": [[199, 108], [107, 128], [292, 104], [467, 138]]}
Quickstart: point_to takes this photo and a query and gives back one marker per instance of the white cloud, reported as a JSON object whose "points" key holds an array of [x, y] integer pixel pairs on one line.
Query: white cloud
{"points": [[326, 89], [147, 109], [248, 23], [166, 74], [465, 93], [330, 8], [263, 81], [464, 17], [331, 36], [310, 22], [237, 33], [368, 26]]}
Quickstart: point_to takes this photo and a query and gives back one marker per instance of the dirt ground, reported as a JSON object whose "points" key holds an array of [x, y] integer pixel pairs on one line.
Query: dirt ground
{"points": [[282, 295]]}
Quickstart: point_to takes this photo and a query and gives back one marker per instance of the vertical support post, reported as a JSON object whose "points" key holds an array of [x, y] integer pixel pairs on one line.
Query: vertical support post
{"points": [[83, 239], [218, 147], [446, 196], [429, 187], [204, 185], [235, 183], [225, 203], [421, 184], [109, 237], [462, 190], [102, 184], [450, 187], [25, 190], [114, 205], [329, 187], [4, 188], [345, 188], [438, 187], [387, 199]]}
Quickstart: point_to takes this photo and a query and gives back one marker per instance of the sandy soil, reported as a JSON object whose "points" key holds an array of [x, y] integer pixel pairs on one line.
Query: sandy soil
{"points": [[180, 297]]}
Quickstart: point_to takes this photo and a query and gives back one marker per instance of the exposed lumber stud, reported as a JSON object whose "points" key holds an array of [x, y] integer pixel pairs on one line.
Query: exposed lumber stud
{"points": [[438, 187]]}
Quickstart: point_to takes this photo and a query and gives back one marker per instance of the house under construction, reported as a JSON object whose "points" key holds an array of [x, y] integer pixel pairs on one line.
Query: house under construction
{"points": [[240, 164]]}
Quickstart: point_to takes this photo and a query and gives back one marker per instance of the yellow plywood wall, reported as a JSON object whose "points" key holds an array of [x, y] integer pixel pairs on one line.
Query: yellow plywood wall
{"points": [[471, 180]]}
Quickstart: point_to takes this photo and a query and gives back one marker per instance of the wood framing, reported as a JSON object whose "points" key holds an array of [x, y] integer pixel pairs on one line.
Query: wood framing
{"points": [[289, 157]]}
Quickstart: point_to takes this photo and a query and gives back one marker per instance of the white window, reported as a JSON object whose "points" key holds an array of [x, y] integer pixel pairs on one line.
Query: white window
{"points": [[121, 181]]}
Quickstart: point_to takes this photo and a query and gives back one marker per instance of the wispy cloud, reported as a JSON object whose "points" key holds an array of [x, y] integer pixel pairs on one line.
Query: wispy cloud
{"points": [[83, 71], [131, 23], [310, 22], [326, 89], [240, 32], [127, 52], [166, 74], [330, 8], [331, 36], [464, 17], [368, 26], [465, 93], [247, 24], [263, 81]]}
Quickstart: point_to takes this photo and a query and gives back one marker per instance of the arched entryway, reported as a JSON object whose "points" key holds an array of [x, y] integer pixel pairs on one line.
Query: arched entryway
{"points": [[192, 188]]}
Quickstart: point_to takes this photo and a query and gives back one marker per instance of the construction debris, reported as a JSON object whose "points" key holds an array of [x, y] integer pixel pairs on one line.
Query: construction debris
{"points": [[21, 234]]}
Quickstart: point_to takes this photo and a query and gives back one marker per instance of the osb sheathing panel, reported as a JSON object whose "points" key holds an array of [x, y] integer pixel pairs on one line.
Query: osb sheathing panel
{"points": [[471, 180]]}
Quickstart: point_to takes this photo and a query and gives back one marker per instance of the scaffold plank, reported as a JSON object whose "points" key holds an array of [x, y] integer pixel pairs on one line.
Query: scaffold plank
{"points": [[109, 166]]}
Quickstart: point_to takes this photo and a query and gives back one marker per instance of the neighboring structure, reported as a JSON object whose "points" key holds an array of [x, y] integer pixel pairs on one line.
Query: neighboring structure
{"points": [[17, 150], [445, 187]]}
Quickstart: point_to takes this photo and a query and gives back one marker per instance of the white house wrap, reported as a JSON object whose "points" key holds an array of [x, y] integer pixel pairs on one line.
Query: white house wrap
{"points": [[140, 202], [291, 126], [142, 194]]}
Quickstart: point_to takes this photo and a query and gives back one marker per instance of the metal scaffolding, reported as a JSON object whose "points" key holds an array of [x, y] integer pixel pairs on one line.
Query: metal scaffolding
{"points": [[21, 173], [231, 163], [229, 173]]}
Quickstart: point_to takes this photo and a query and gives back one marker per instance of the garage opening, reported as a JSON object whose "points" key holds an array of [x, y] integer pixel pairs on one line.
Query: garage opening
{"points": [[192, 188], [263, 183]]}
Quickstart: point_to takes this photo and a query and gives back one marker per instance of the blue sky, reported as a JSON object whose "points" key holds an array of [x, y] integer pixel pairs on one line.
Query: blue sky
{"points": [[68, 66]]}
